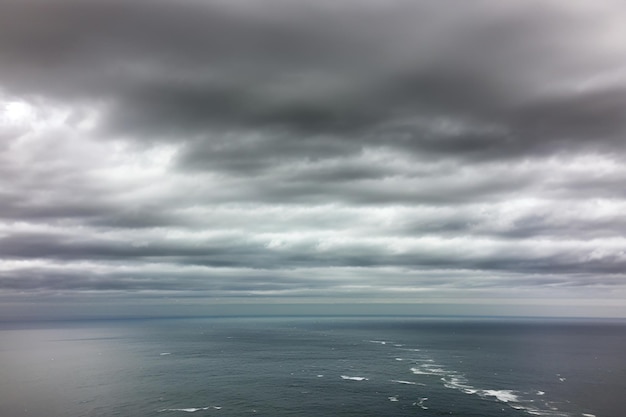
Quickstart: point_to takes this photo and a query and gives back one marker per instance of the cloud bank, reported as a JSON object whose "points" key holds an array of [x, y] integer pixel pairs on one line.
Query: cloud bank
{"points": [[352, 151]]}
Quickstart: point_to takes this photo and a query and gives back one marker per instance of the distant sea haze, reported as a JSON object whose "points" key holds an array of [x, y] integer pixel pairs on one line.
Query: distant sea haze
{"points": [[314, 367]]}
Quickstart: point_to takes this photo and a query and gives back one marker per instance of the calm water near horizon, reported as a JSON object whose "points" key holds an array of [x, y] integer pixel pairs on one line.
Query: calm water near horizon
{"points": [[314, 367]]}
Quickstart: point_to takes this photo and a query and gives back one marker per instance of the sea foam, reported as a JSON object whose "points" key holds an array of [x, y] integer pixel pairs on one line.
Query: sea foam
{"points": [[504, 395], [420, 403], [191, 409], [354, 378], [428, 370], [403, 382]]}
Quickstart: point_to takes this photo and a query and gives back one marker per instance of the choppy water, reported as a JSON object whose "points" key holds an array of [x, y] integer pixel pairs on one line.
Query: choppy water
{"points": [[314, 367]]}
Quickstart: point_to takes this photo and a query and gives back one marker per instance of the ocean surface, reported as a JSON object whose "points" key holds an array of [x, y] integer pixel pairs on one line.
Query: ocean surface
{"points": [[314, 367]]}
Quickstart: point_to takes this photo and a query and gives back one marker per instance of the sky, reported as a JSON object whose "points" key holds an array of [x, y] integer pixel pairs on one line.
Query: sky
{"points": [[172, 157]]}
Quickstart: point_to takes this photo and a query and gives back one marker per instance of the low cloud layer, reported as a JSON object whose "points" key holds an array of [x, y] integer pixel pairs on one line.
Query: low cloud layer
{"points": [[398, 151]]}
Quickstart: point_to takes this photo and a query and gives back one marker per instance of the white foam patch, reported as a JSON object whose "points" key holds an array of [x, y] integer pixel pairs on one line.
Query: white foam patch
{"points": [[459, 383], [403, 382], [589, 415], [428, 370], [456, 380], [354, 378], [393, 399], [399, 359], [164, 353], [420, 403], [504, 395], [190, 410], [320, 376], [380, 342]]}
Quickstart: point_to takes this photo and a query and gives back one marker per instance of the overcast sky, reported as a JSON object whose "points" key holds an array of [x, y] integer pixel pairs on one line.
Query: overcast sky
{"points": [[242, 156]]}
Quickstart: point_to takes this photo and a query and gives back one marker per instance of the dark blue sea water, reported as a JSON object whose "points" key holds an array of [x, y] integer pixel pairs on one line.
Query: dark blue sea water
{"points": [[314, 367]]}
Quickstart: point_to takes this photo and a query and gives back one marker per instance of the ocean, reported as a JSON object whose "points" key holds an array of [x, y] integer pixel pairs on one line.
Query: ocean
{"points": [[314, 366]]}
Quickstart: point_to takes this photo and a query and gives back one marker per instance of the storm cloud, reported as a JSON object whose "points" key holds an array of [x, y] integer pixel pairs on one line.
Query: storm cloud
{"points": [[389, 152]]}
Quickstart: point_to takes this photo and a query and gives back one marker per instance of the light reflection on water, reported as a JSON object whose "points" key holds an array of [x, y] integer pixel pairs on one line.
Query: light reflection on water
{"points": [[52, 370]]}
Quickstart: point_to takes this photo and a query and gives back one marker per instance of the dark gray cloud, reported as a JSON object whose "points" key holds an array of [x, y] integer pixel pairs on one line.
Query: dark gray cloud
{"points": [[365, 74], [332, 150]]}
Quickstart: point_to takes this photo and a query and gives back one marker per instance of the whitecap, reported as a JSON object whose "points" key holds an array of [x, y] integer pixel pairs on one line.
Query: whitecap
{"points": [[393, 399], [418, 371], [190, 410], [164, 354], [458, 383], [421, 403], [456, 380], [380, 342], [354, 378], [435, 370], [589, 415], [504, 395], [404, 382], [428, 370]]}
